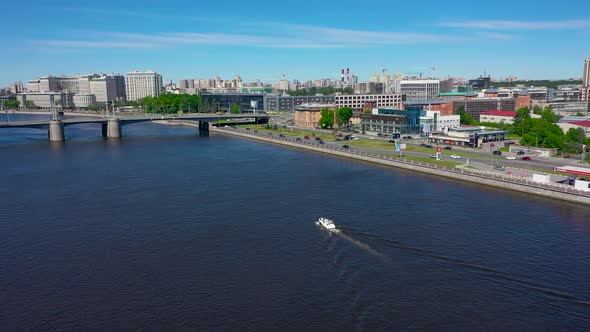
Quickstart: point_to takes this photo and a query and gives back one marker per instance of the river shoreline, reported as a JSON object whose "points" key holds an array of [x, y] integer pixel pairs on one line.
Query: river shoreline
{"points": [[505, 182]]}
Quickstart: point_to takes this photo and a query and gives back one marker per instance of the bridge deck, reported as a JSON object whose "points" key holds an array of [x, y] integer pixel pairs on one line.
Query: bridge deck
{"points": [[129, 120]]}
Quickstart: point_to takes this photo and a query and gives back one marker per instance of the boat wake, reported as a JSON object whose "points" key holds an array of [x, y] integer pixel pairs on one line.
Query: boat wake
{"points": [[528, 288]]}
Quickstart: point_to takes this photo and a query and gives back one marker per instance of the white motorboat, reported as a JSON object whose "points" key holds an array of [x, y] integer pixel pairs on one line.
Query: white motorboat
{"points": [[326, 223]]}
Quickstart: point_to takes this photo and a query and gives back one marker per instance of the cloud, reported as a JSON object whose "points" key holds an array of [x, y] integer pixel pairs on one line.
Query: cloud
{"points": [[518, 25], [268, 35]]}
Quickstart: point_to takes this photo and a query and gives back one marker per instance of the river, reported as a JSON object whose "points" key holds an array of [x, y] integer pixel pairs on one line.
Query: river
{"points": [[166, 230]]}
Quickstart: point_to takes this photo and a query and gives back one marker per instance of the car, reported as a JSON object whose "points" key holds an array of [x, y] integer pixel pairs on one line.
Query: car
{"points": [[432, 156], [321, 142], [379, 134], [281, 135], [298, 139], [428, 146], [306, 137], [255, 131], [318, 139], [454, 156], [338, 140], [499, 168], [346, 146], [371, 138], [520, 153], [527, 158], [448, 148], [423, 144], [497, 152], [247, 128], [391, 141], [511, 157]]}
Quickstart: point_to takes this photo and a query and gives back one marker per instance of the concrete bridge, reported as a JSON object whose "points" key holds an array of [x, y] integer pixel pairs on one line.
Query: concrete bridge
{"points": [[111, 126]]}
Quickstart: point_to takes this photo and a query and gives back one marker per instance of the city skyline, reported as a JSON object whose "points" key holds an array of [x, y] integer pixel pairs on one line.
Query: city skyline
{"points": [[265, 40]]}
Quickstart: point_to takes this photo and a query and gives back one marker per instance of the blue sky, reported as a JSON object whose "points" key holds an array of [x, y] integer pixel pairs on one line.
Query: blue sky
{"points": [[304, 40]]}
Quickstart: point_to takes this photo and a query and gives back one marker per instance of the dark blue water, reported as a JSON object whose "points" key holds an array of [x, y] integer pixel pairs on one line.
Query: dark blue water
{"points": [[166, 230]]}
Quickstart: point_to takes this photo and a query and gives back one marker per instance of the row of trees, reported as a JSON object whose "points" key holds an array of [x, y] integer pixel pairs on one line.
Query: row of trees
{"points": [[171, 103], [341, 116], [11, 104], [314, 91], [539, 131]]}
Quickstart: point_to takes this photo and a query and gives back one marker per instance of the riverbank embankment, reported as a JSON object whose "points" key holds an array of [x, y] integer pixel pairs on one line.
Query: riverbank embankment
{"points": [[525, 185]]}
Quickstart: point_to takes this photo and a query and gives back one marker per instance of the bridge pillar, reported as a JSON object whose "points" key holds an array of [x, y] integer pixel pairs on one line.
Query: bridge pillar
{"points": [[203, 128], [112, 129], [56, 131]]}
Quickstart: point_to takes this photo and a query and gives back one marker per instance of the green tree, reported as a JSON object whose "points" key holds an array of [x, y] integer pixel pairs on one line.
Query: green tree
{"points": [[465, 118], [575, 135], [521, 121], [553, 141], [343, 115], [30, 104], [235, 109], [326, 119], [549, 116], [12, 104], [537, 109]]}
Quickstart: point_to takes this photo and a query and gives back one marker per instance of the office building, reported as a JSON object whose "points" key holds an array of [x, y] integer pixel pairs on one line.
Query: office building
{"points": [[418, 89], [290, 103], [46, 99], [357, 102], [476, 106], [106, 88], [83, 100], [480, 83], [308, 115], [139, 85], [221, 102], [434, 121], [382, 123], [498, 117]]}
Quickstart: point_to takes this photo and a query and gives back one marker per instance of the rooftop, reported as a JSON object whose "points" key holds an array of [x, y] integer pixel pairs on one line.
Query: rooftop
{"points": [[500, 113], [581, 123], [573, 170]]}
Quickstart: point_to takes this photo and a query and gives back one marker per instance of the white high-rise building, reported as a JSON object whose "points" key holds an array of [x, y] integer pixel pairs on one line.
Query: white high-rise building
{"points": [[419, 89], [143, 84], [586, 81], [586, 76]]}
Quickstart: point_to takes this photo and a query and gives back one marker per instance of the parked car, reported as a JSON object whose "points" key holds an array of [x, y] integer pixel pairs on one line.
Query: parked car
{"points": [[511, 157], [371, 138], [423, 144], [454, 156], [346, 146], [306, 137], [428, 146], [318, 139], [448, 148], [281, 135], [380, 134], [432, 156], [520, 153], [497, 152], [247, 128], [298, 139], [338, 140], [499, 168], [321, 142], [391, 141], [527, 158]]}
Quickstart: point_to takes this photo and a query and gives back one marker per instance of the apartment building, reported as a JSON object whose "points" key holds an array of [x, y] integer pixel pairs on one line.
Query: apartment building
{"points": [[357, 102], [140, 84]]}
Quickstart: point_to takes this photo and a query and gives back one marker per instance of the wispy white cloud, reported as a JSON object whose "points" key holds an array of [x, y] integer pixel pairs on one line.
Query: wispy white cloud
{"points": [[518, 25], [269, 35], [93, 44]]}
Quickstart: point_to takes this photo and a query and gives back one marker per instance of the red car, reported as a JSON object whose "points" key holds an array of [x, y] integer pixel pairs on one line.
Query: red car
{"points": [[526, 158], [306, 137]]}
